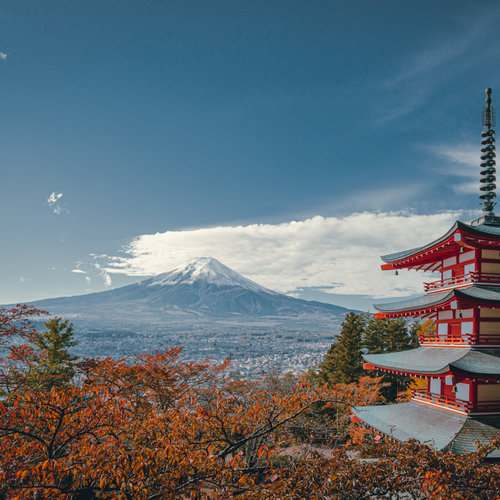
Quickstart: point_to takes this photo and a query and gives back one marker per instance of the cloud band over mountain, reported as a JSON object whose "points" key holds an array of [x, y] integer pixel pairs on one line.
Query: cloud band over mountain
{"points": [[338, 254]]}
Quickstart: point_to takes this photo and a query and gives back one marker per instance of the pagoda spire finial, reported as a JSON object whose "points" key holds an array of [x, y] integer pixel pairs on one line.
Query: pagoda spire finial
{"points": [[488, 156]]}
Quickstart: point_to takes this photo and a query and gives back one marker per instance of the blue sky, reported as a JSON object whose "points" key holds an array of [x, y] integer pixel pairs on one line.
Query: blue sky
{"points": [[172, 128]]}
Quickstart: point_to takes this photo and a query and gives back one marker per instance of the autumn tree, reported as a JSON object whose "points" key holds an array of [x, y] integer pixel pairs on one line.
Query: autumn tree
{"points": [[156, 426], [18, 335]]}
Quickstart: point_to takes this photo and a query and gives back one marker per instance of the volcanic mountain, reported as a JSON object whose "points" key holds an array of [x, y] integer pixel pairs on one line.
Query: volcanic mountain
{"points": [[202, 288], [208, 309]]}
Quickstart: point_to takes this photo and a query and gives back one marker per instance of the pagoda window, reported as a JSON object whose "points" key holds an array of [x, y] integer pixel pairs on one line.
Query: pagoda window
{"points": [[467, 313], [470, 268], [445, 315], [489, 332], [490, 254], [447, 274], [467, 328], [490, 267], [435, 386], [464, 257], [489, 313], [451, 261], [442, 329], [462, 391], [489, 328], [488, 392]]}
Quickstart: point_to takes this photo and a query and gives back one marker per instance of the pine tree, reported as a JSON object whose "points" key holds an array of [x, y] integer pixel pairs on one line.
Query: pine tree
{"points": [[374, 338], [399, 336], [343, 362], [383, 335], [54, 365]]}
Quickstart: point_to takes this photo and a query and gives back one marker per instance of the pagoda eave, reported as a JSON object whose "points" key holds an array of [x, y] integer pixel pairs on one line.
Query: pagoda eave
{"points": [[436, 361], [442, 429], [456, 407], [450, 373], [460, 235], [409, 373], [461, 298]]}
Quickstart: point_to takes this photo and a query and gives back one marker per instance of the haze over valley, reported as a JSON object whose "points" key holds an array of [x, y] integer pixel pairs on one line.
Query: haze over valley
{"points": [[211, 311]]}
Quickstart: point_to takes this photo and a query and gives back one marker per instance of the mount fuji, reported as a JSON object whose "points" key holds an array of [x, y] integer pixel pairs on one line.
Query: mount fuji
{"points": [[204, 287], [209, 309]]}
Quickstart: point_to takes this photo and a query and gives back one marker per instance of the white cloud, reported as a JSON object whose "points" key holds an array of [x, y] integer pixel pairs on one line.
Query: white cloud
{"points": [[80, 271], [341, 255], [22, 279], [87, 279], [54, 198], [3, 56], [53, 201]]}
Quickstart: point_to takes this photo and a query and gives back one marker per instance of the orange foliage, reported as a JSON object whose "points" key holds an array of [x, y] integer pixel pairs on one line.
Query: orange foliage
{"points": [[158, 427], [427, 328]]}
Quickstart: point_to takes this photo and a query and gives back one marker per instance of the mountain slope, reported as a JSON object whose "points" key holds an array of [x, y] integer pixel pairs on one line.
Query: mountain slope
{"points": [[208, 309], [203, 287]]}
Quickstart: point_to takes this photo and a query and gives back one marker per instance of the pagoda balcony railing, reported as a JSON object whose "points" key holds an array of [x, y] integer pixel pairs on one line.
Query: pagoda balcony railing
{"points": [[456, 404], [465, 339], [438, 399], [464, 279]]}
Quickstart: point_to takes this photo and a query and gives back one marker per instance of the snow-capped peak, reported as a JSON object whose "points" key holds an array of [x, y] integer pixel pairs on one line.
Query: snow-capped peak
{"points": [[206, 270]]}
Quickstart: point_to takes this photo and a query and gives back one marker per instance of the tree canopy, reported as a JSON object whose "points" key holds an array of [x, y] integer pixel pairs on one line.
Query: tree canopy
{"points": [[361, 333], [155, 426]]}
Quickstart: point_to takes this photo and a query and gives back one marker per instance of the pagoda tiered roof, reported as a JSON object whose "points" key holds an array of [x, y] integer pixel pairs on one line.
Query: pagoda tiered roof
{"points": [[458, 408], [439, 428], [485, 295], [438, 361], [459, 235]]}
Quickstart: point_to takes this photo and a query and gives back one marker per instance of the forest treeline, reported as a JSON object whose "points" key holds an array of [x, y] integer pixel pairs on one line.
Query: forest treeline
{"points": [[360, 334], [154, 426]]}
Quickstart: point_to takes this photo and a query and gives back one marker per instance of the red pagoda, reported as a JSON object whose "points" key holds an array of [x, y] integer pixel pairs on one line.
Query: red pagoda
{"points": [[460, 363]]}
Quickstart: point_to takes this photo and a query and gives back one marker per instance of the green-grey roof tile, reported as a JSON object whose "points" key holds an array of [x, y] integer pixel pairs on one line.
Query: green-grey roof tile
{"points": [[474, 292], [481, 229], [441, 429], [485, 362], [435, 360], [416, 302], [476, 430], [411, 420]]}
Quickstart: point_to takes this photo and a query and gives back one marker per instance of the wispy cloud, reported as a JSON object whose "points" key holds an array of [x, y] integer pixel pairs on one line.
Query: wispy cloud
{"points": [[3, 56], [438, 61], [55, 203], [461, 160], [340, 255], [443, 52], [377, 199], [104, 274], [78, 271], [23, 279]]}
